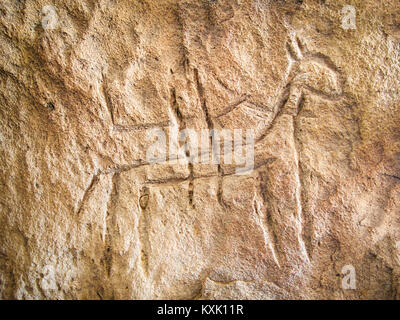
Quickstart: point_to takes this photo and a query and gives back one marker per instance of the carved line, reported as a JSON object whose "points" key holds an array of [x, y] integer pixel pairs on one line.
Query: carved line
{"points": [[391, 176], [231, 107], [138, 127], [210, 125], [93, 182], [269, 241], [143, 230], [172, 181], [277, 112], [182, 125], [306, 226], [110, 226], [107, 99]]}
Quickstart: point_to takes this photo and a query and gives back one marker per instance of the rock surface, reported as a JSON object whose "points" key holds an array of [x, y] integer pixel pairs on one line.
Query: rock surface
{"points": [[83, 216]]}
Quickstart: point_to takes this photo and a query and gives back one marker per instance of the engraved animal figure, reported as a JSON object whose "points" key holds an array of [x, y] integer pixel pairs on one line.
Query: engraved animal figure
{"points": [[277, 210]]}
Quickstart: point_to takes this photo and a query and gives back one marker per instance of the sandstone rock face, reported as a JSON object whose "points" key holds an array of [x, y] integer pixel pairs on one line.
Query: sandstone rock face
{"points": [[85, 84]]}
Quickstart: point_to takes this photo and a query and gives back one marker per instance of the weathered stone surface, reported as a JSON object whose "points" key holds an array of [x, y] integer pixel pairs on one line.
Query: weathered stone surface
{"points": [[84, 216]]}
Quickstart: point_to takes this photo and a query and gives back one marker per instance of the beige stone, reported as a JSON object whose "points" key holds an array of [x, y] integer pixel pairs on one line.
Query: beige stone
{"points": [[85, 216]]}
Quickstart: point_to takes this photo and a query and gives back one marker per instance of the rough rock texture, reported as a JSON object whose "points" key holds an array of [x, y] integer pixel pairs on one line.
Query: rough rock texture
{"points": [[84, 216]]}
